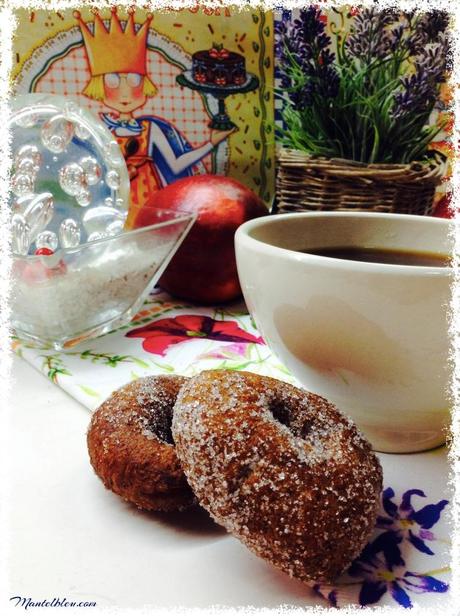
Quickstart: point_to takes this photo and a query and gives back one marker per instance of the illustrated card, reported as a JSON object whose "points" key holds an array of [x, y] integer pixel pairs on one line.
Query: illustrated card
{"points": [[184, 91]]}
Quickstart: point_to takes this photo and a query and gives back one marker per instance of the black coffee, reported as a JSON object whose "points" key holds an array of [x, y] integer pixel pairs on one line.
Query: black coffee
{"points": [[383, 255]]}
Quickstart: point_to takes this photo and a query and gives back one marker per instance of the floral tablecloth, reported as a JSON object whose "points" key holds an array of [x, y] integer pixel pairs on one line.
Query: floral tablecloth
{"points": [[407, 559], [165, 337]]}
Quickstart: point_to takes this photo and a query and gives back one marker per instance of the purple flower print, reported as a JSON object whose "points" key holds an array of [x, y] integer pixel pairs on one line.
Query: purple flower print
{"points": [[329, 596], [383, 570], [381, 567], [407, 523]]}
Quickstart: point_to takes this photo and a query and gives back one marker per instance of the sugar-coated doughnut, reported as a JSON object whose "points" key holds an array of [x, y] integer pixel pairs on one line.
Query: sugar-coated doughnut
{"points": [[131, 447], [281, 469]]}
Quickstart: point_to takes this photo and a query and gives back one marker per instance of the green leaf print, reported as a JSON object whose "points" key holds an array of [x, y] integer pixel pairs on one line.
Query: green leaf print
{"points": [[53, 367], [109, 360], [140, 362], [89, 391], [164, 367], [282, 369]]}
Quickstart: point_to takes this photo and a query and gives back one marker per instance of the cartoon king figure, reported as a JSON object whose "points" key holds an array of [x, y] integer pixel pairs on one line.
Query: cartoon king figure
{"points": [[156, 153]]}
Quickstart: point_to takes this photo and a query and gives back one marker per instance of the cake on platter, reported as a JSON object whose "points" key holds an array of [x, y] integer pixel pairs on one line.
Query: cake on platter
{"points": [[219, 66]]}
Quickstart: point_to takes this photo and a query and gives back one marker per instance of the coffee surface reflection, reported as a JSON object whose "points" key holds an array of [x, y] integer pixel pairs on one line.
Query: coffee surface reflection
{"points": [[382, 255]]}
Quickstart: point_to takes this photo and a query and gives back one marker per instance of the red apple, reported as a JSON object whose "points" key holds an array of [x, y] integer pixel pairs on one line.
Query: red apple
{"points": [[204, 267], [443, 209]]}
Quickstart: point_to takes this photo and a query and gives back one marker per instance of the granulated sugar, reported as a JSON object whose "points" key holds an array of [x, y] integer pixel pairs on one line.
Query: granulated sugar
{"points": [[280, 468], [87, 295]]}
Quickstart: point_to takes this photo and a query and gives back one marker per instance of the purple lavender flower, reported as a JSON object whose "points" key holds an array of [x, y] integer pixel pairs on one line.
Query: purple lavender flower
{"points": [[330, 82], [429, 45], [378, 34], [308, 32], [424, 28], [370, 38], [406, 523], [383, 570], [387, 73], [280, 29], [395, 38], [305, 66], [416, 95], [431, 24], [434, 59]]}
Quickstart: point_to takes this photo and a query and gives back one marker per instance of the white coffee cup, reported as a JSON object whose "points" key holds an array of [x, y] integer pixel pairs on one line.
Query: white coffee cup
{"points": [[372, 338]]}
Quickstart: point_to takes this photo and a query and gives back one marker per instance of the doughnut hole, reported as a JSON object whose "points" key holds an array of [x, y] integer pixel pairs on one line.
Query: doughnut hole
{"points": [[291, 417]]}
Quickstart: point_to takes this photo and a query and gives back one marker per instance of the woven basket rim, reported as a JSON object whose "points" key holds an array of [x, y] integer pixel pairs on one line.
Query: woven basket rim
{"points": [[432, 170], [310, 183]]}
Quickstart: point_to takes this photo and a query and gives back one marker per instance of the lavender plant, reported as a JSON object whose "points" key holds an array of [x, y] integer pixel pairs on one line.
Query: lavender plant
{"points": [[370, 99]]}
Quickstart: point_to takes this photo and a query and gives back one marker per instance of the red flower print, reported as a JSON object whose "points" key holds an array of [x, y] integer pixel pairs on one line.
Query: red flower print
{"points": [[160, 335]]}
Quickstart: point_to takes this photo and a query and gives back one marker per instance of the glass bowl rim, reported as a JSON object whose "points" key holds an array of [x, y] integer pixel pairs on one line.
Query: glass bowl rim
{"points": [[180, 216]]}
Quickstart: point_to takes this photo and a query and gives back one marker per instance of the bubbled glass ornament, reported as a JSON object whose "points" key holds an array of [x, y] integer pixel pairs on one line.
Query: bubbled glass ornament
{"points": [[65, 163]]}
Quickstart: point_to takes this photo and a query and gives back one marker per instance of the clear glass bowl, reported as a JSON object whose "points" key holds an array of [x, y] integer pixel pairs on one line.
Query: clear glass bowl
{"points": [[77, 293]]}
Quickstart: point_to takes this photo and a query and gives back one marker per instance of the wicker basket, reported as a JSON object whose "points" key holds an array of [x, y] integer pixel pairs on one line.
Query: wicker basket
{"points": [[305, 183]]}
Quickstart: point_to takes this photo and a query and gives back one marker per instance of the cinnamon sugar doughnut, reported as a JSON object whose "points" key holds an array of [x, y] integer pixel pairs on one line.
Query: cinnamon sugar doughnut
{"points": [[131, 448], [281, 469]]}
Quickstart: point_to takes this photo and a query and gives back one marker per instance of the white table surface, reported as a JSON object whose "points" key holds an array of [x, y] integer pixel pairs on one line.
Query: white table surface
{"points": [[71, 538]]}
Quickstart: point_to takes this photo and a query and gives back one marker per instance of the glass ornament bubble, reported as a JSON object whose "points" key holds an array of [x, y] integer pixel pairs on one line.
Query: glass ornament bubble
{"points": [[115, 228], [96, 235], [57, 133], [17, 207], [71, 109], [81, 131], [27, 118], [113, 154], [22, 184], [109, 202], [72, 179], [119, 203], [47, 239], [39, 212], [27, 166], [20, 234], [69, 233], [83, 198], [112, 179], [99, 218], [28, 151], [20, 205], [57, 144], [92, 169]]}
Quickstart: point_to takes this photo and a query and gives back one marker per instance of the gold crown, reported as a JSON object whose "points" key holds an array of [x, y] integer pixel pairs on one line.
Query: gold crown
{"points": [[115, 50]]}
